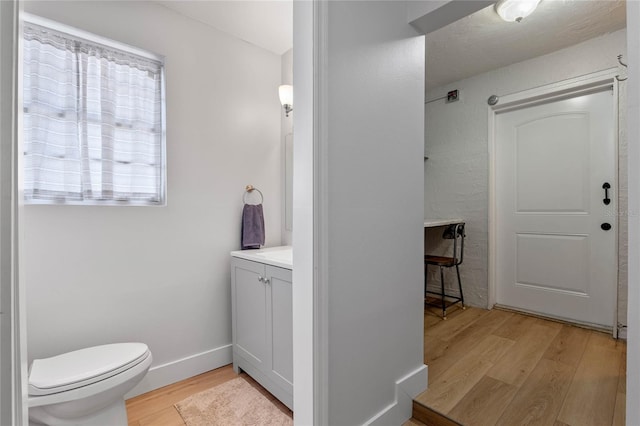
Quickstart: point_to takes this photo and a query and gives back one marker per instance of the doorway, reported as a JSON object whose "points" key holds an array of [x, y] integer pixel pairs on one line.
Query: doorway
{"points": [[459, 163], [460, 168], [555, 189]]}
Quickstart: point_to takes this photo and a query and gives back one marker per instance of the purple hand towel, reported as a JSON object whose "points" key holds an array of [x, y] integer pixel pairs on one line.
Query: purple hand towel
{"points": [[252, 226]]}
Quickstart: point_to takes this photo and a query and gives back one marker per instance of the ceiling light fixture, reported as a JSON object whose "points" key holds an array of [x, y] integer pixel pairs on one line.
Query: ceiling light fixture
{"points": [[515, 10], [286, 97]]}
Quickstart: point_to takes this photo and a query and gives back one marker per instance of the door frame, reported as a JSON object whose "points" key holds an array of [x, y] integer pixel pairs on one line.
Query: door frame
{"points": [[13, 350], [584, 84]]}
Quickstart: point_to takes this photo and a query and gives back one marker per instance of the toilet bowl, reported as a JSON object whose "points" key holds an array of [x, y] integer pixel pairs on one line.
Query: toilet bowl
{"points": [[86, 387]]}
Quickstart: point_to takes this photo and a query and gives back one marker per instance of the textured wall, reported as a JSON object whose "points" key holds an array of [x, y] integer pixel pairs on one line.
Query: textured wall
{"points": [[623, 209], [456, 142]]}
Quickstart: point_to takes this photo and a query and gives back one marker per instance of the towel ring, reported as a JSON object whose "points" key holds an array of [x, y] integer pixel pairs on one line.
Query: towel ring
{"points": [[250, 188]]}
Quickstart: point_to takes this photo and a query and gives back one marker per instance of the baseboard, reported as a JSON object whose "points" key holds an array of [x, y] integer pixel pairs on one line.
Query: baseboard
{"points": [[174, 371], [407, 388], [587, 325]]}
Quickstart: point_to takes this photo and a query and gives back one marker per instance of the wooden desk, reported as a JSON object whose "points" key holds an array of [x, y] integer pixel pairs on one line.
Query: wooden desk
{"points": [[433, 242], [432, 223]]}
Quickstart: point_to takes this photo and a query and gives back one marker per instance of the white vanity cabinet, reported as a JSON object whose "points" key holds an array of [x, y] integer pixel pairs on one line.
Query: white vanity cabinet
{"points": [[262, 323]]}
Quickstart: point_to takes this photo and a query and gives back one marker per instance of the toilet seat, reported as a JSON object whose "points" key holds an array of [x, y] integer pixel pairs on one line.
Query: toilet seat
{"points": [[83, 367]]}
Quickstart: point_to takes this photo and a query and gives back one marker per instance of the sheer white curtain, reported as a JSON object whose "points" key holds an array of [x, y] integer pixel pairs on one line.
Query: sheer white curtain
{"points": [[92, 121]]}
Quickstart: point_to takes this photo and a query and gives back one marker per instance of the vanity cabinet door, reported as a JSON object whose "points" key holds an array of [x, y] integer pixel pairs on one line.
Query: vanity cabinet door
{"points": [[280, 319], [262, 325], [249, 299]]}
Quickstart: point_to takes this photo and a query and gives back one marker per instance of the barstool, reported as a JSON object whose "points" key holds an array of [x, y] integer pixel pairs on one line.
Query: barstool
{"points": [[453, 232]]}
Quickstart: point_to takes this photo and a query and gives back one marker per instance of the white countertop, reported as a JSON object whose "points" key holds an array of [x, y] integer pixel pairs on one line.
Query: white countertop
{"points": [[432, 223], [281, 256]]}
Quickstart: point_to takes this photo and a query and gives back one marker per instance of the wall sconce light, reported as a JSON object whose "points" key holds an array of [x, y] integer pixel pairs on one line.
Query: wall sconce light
{"points": [[286, 97], [515, 10]]}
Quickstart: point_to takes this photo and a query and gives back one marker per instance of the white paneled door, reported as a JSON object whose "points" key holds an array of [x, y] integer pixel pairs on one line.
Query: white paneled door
{"points": [[555, 217]]}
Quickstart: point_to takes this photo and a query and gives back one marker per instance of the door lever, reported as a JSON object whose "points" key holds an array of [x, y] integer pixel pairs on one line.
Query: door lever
{"points": [[606, 187]]}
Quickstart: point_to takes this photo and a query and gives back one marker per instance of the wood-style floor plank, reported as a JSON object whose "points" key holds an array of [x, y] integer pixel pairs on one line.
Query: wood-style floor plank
{"points": [[435, 348], [588, 368], [569, 345], [492, 320], [540, 397], [604, 340], [430, 417], [619, 412], [167, 417], [413, 422], [431, 320], [442, 355], [592, 396], [156, 408], [453, 384], [543, 373], [622, 382], [515, 327], [523, 356], [448, 328], [484, 403], [153, 402]]}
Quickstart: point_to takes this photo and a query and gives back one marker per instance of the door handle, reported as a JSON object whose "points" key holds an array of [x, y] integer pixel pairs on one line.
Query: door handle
{"points": [[605, 226], [606, 187]]}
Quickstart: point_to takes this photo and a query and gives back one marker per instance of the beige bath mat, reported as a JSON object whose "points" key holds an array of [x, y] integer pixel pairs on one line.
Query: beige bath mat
{"points": [[234, 403]]}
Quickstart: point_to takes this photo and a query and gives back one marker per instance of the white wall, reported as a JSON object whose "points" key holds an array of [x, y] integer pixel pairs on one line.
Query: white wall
{"points": [[161, 275], [13, 361], [370, 194], [456, 142], [7, 14], [633, 126], [307, 353], [286, 132]]}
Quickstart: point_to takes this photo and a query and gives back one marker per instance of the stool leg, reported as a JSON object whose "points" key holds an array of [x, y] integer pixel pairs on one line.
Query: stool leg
{"points": [[444, 305], [460, 286]]}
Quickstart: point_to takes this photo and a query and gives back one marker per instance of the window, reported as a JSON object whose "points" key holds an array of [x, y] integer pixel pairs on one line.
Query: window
{"points": [[93, 119]]}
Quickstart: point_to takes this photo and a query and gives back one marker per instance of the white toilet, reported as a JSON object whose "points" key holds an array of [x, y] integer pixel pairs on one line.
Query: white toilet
{"points": [[86, 387]]}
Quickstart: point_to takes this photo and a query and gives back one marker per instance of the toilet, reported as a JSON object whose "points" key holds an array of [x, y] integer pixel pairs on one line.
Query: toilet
{"points": [[86, 387]]}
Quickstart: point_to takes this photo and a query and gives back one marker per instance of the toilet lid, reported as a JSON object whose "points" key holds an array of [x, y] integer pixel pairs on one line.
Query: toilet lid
{"points": [[83, 367]]}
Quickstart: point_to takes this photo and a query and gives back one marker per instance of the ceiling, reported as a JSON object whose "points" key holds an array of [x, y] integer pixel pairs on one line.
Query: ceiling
{"points": [[482, 41], [473, 45], [264, 23]]}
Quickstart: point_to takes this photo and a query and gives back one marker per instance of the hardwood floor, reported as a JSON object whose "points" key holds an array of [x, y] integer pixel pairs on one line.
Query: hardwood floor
{"points": [[503, 368], [485, 368], [156, 408]]}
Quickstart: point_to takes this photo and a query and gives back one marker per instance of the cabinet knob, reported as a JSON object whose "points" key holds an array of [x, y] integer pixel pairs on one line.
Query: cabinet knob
{"points": [[267, 281], [260, 279]]}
